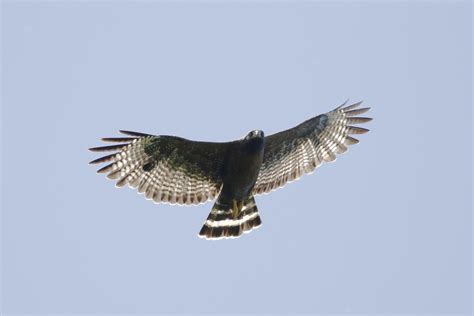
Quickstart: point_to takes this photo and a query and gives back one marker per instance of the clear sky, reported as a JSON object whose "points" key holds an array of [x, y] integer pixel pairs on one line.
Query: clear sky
{"points": [[384, 229]]}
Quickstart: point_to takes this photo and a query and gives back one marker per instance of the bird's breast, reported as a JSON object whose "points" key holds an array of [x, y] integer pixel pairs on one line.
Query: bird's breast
{"points": [[241, 173]]}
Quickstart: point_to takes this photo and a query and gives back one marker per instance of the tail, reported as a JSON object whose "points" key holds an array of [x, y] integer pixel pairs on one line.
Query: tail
{"points": [[231, 219]]}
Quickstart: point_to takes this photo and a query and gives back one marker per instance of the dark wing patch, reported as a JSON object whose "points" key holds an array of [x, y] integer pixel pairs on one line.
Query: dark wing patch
{"points": [[299, 150], [165, 168]]}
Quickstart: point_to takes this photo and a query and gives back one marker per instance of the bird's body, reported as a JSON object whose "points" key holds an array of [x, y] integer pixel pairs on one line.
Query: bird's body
{"points": [[241, 168], [179, 171], [235, 210]]}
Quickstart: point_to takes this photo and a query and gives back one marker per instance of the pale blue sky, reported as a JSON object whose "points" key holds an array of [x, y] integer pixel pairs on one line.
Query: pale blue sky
{"points": [[385, 229]]}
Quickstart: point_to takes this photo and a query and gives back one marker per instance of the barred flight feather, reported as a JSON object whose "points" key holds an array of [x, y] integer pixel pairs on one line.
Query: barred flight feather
{"points": [[144, 162], [297, 151], [118, 139]]}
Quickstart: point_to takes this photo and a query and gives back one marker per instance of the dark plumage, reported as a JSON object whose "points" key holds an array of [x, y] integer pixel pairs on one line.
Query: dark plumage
{"points": [[175, 170]]}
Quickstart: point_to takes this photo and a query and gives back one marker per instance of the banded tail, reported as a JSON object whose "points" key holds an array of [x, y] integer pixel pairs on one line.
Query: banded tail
{"points": [[231, 219]]}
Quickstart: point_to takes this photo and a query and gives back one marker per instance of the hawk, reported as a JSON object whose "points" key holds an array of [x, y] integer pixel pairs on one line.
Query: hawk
{"points": [[169, 169]]}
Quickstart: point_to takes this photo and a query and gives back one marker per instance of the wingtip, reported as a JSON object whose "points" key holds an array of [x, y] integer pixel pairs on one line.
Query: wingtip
{"points": [[95, 149], [118, 139], [354, 130], [342, 105], [131, 133], [357, 104], [346, 107]]}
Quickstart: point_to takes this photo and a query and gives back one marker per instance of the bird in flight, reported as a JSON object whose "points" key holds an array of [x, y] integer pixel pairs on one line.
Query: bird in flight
{"points": [[170, 169]]}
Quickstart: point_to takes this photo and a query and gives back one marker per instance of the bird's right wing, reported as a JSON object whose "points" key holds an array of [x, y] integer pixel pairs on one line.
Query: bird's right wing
{"points": [[166, 168], [299, 150]]}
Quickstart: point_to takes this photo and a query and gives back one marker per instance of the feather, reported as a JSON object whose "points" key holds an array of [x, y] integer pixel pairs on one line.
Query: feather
{"points": [[350, 140], [130, 133], [108, 148], [107, 158], [118, 139], [350, 107], [342, 105], [106, 168], [357, 112], [356, 130], [358, 120]]}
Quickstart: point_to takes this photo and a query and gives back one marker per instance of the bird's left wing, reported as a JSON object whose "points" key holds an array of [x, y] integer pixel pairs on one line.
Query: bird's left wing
{"points": [[291, 153], [165, 168]]}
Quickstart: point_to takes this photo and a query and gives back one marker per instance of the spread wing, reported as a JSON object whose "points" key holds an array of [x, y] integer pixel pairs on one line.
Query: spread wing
{"points": [[299, 150], [165, 168]]}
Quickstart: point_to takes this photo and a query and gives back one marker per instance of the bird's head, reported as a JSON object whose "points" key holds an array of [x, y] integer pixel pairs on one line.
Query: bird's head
{"points": [[256, 134], [254, 141]]}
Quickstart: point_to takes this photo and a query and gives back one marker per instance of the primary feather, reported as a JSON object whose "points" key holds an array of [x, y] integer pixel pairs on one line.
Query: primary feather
{"points": [[299, 150]]}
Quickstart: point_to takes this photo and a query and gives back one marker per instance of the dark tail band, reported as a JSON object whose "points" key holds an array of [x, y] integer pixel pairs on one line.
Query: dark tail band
{"points": [[230, 220]]}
